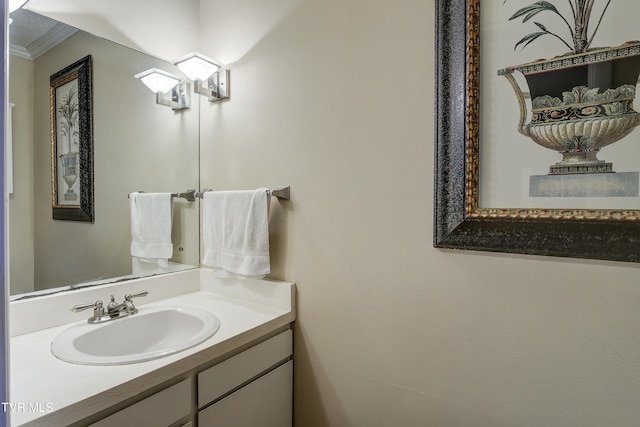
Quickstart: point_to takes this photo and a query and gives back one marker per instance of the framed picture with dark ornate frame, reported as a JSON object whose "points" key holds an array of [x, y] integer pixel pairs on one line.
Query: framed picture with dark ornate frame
{"points": [[71, 115], [519, 149]]}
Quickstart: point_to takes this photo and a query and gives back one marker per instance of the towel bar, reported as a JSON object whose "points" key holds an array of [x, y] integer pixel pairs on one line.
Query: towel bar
{"points": [[189, 195], [281, 193]]}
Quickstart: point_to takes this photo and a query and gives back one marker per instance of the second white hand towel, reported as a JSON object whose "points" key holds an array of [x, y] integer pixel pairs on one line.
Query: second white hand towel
{"points": [[235, 231], [151, 227]]}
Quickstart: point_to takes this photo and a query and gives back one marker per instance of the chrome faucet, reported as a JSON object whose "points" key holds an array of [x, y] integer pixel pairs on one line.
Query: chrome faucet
{"points": [[114, 310], [126, 306]]}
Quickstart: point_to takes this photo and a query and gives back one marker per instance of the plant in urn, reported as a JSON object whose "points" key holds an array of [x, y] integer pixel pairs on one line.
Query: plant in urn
{"points": [[581, 101], [68, 110]]}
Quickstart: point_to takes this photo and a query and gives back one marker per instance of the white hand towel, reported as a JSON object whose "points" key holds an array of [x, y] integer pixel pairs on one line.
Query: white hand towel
{"points": [[235, 232], [151, 227]]}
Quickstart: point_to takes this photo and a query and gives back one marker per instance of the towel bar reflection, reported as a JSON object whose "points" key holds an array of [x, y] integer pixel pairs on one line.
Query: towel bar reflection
{"points": [[281, 193], [189, 195]]}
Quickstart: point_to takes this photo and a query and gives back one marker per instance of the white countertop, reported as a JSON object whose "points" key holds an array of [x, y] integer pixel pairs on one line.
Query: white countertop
{"points": [[54, 392]]}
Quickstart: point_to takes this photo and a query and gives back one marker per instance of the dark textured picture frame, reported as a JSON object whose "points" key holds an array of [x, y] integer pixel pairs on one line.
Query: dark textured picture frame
{"points": [[459, 223], [71, 114]]}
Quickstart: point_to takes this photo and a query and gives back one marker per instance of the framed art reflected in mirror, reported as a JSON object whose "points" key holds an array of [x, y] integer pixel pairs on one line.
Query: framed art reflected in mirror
{"points": [[70, 97], [497, 186]]}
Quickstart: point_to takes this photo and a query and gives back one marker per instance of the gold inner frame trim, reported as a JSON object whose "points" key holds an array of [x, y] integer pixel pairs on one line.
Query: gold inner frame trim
{"points": [[53, 136], [473, 144]]}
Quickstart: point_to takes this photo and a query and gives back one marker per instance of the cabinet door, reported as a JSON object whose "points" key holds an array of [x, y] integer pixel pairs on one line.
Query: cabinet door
{"points": [[265, 402], [241, 368], [162, 409]]}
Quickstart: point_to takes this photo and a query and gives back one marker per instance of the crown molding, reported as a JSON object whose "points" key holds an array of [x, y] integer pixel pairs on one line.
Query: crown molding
{"points": [[51, 38]]}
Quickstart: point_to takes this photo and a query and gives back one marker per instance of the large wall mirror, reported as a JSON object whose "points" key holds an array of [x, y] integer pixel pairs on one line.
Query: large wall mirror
{"points": [[138, 146]]}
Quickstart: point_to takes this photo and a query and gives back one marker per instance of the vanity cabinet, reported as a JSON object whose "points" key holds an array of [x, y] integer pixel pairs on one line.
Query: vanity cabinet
{"points": [[251, 388]]}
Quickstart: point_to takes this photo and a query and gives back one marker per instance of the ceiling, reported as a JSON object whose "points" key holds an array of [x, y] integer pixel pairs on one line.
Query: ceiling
{"points": [[31, 34]]}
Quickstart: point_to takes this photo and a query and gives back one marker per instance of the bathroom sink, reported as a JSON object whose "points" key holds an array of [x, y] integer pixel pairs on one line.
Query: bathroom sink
{"points": [[152, 333]]}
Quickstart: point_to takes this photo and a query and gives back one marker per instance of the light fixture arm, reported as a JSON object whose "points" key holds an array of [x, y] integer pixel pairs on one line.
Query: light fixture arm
{"points": [[216, 87], [177, 98]]}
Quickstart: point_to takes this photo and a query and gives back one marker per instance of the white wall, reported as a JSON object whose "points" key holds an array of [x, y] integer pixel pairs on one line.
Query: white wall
{"points": [[335, 98], [166, 30], [21, 202]]}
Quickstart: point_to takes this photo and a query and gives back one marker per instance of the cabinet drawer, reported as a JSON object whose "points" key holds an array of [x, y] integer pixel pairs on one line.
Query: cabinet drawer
{"points": [[236, 371], [161, 409], [265, 402]]}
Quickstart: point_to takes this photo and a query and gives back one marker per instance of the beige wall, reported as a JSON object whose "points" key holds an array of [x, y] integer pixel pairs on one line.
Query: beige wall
{"points": [[335, 98], [138, 145], [21, 230]]}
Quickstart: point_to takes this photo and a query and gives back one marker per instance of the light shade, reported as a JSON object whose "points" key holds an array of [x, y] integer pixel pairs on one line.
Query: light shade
{"points": [[197, 66], [157, 80]]}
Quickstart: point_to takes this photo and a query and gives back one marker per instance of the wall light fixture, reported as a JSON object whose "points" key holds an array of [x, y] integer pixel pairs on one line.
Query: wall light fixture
{"points": [[158, 80], [208, 76], [169, 89]]}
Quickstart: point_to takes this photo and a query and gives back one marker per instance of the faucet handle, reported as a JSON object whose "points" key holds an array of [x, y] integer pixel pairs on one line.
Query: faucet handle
{"points": [[129, 297], [95, 305], [112, 304], [98, 311]]}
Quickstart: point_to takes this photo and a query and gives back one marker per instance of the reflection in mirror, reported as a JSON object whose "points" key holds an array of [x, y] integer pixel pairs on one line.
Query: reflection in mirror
{"points": [[138, 146]]}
